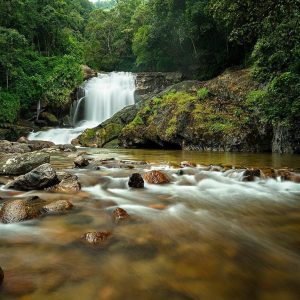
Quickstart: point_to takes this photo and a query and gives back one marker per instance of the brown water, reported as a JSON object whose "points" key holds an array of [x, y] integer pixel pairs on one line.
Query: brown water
{"points": [[217, 238]]}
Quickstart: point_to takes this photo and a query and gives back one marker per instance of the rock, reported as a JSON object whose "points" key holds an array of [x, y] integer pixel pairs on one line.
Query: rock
{"points": [[156, 177], [120, 215], [287, 175], [75, 142], [158, 206], [18, 211], [58, 207], [96, 238], [109, 130], [49, 118], [39, 145], [66, 148], [250, 174], [22, 140], [1, 276], [88, 73], [69, 184], [22, 163], [136, 181], [81, 162], [40, 178], [187, 164], [10, 147]]}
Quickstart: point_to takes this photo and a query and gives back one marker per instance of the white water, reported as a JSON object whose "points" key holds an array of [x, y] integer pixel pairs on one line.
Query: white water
{"points": [[104, 96]]}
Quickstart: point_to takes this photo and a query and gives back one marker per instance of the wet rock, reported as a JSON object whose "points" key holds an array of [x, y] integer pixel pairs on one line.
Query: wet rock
{"points": [[180, 172], [10, 147], [69, 184], [18, 211], [19, 164], [120, 215], [1, 275], [22, 140], [58, 207], [136, 181], [250, 174], [188, 164], [215, 169], [156, 177], [269, 173], [287, 175], [39, 145], [75, 142], [96, 238], [41, 177], [81, 162]]}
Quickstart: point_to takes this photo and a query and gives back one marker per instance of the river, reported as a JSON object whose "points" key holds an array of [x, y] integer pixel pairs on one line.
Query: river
{"points": [[206, 235]]}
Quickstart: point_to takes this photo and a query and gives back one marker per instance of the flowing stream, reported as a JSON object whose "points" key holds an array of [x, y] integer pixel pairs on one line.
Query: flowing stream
{"points": [[104, 96], [206, 235]]}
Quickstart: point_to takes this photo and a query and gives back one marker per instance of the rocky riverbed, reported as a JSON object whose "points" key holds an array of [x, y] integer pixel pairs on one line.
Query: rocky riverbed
{"points": [[83, 223]]}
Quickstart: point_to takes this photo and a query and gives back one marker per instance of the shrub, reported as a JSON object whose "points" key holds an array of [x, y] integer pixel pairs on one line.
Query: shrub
{"points": [[10, 106]]}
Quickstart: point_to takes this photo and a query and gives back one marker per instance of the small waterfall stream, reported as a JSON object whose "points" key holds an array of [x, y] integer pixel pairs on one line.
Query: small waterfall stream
{"points": [[104, 96]]}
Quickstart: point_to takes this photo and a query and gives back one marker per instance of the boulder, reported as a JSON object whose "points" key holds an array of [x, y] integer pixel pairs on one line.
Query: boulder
{"points": [[120, 215], [22, 140], [19, 164], [1, 276], [39, 145], [88, 73], [81, 162], [18, 211], [10, 147], [156, 177], [49, 118], [58, 207], [40, 178], [136, 181], [69, 184], [96, 238]]}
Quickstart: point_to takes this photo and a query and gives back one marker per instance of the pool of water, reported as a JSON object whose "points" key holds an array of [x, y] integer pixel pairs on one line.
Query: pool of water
{"points": [[214, 236]]}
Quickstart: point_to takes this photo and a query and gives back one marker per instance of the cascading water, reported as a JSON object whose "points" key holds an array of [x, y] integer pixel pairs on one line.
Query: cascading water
{"points": [[104, 96]]}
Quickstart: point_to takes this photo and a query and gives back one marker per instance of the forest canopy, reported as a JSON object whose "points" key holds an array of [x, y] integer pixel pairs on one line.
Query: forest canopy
{"points": [[43, 44]]}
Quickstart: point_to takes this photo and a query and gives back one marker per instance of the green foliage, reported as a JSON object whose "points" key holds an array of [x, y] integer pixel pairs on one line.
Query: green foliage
{"points": [[10, 105], [202, 93]]}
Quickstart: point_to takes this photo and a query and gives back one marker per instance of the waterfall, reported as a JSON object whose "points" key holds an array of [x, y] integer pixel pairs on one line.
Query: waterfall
{"points": [[104, 96]]}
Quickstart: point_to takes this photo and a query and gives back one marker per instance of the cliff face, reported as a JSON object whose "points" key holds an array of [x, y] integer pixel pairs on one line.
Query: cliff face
{"points": [[193, 115]]}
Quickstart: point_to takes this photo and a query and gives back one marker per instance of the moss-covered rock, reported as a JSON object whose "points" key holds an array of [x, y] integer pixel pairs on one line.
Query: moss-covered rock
{"points": [[107, 133], [210, 115]]}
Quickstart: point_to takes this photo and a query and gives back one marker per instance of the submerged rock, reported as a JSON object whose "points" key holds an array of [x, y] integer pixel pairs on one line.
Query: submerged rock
{"points": [[156, 177], [18, 211], [136, 181], [120, 215], [58, 207], [81, 162], [37, 179], [22, 163], [68, 184], [96, 238]]}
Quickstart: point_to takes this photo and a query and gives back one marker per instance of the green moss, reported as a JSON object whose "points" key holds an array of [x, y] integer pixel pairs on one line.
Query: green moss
{"points": [[203, 93], [172, 127]]}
